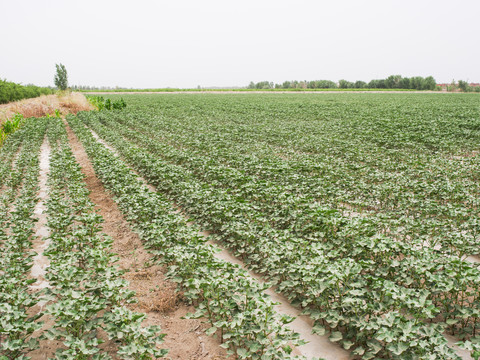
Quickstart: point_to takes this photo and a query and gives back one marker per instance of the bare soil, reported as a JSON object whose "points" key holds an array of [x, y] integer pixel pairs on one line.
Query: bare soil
{"points": [[156, 295]]}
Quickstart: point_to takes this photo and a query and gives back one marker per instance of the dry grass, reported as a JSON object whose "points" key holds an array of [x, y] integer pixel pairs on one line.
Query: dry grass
{"points": [[152, 292], [161, 300], [68, 103]]}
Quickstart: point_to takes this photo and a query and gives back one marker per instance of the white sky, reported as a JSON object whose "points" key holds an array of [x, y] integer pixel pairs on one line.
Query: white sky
{"points": [[185, 43]]}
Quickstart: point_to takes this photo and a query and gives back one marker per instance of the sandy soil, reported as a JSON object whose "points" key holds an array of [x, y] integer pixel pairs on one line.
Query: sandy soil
{"points": [[40, 261], [156, 295], [46, 104]]}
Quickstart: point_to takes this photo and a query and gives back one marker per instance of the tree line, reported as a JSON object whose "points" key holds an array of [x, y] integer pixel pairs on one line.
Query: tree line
{"points": [[392, 82], [10, 91]]}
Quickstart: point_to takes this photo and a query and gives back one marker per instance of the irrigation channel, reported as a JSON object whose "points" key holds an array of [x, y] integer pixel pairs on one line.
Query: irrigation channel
{"points": [[42, 233]]}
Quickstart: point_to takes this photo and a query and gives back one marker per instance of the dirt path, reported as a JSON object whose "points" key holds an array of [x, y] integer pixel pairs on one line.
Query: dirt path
{"points": [[38, 271], [156, 296], [40, 261]]}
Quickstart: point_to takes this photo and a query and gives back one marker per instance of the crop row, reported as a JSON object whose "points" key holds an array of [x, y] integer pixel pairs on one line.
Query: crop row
{"points": [[19, 197], [234, 303], [86, 292]]}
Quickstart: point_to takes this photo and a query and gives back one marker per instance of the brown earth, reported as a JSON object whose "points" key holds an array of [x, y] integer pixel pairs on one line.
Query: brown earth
{"points": [[156, 295], [66, 103]]}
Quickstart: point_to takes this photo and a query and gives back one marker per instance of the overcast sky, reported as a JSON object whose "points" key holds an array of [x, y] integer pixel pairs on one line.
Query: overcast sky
{"points": [[185, 43]]}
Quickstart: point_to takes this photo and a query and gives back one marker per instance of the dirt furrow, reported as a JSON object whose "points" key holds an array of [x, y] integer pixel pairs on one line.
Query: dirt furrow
{"points": [[41, 242]]}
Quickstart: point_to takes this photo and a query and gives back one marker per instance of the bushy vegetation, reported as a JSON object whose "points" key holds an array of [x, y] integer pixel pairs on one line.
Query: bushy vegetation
{"points": [[101, 103], [466, 87], [9, 126], [392, 82], [10, 91]]}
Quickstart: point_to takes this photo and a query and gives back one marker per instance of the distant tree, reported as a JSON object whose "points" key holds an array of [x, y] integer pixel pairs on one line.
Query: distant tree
{"points": [[344, 84], [405, 83], [430, 83], [463, 85], [61, 80], [261, 85], [360, 84], [416, 82], [393, 82], [326, 84]]}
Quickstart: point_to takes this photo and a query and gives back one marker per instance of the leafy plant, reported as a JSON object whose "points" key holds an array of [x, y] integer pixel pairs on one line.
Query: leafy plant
{"points": [[101, 103]]}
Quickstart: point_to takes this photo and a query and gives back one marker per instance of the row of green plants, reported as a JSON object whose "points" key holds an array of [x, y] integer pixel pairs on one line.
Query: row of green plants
{"points": [[280, 167], [282, 257], [10, 91], [8, 154], [18, 199], [234, 304], [86, 292], [14, 123]]}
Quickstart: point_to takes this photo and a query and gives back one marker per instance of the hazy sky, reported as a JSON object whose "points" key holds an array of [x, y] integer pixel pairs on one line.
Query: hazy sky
{"points": [[185, 43]]}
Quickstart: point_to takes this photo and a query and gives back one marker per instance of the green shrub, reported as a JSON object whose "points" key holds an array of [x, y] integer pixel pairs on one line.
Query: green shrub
{"points": [[10, 91], [101, 103]]}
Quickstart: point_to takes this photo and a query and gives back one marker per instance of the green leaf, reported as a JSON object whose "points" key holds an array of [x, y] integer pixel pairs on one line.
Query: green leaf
{"points": [[397, 348], [242, 353], [358, 351], [319, 330], [452, 321], [335, 336], [211, 331]]}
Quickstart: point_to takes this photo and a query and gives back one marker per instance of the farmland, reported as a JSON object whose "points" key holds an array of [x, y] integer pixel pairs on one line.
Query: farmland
{"points": [[362, 210]]}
